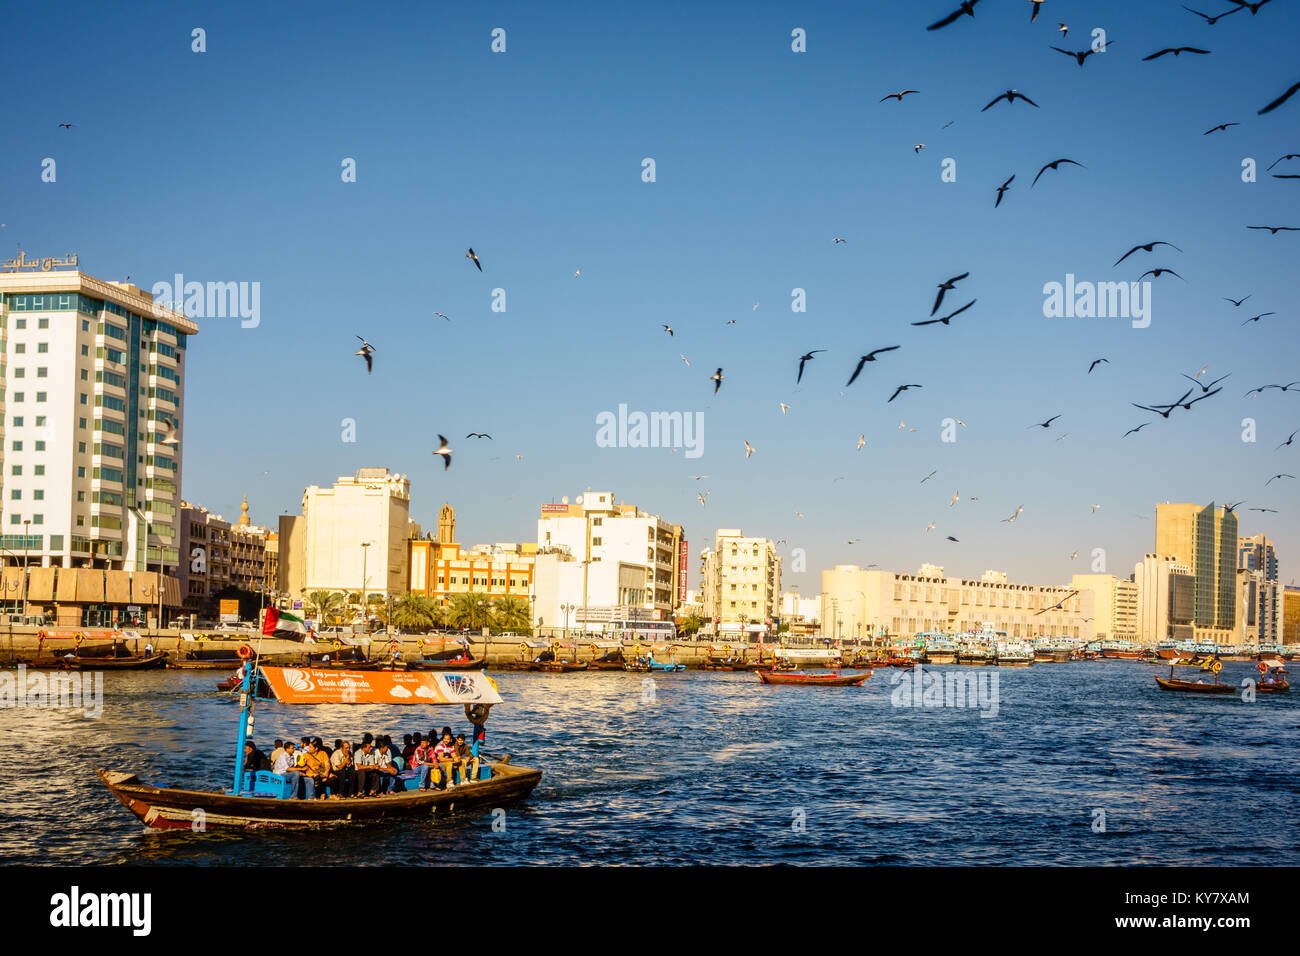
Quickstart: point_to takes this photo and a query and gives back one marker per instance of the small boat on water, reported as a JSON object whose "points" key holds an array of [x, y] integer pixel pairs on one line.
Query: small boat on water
{"points": [[563, 659], [258, 801], [108, 653], [648, 663], [1013, 654], [446, 654], [1195, 687], [608, 656], [941, 650], [1121, 650], [814, 680]]}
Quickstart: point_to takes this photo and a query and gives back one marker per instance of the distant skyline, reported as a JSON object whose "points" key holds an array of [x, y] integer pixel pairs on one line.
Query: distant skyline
{"points": [[226, 166]]}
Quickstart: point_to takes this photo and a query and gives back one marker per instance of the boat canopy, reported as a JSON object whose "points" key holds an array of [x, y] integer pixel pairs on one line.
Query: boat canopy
{"points": [[606, 645], [305, 685], [86, 634], [444, 642], [536, 644], [809, 653]]}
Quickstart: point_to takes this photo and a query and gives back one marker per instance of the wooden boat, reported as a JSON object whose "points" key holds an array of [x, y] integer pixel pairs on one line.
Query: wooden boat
{"points": [[1169, 683], [817, 680], [561, 667], [165, 808], [452, 664], [172, 808], [1277, 687], [608, 656]]}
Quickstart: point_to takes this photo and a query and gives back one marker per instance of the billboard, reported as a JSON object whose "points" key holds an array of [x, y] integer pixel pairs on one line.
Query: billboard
{"points": [[229, 608], [682, 552]]}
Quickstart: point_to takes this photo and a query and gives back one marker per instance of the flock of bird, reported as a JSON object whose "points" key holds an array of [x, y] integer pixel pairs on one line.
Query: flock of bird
{"points": [[1198, 392]]}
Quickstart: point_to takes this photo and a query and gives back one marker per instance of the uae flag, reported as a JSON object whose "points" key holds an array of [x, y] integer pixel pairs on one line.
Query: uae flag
{"points": [[283, 624]]}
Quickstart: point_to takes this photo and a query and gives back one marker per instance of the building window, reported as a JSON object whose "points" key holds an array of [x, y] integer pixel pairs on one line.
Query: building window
{"points": [[42, 372], [85, 377], [40, 421], [17, 446], [16, 495], [42, 347], [44, 323], [81, 423], [20, 323], [81, 471], [85, 327], [16, 470], [85, 351], [40, 446], [83, 397], [39, 494], [20, 373], [42, 396], [20, 348], [18, 396], [18, 421], [15, 519]]}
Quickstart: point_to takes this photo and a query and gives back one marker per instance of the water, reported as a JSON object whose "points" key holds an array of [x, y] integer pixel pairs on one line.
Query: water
{"points": [[716, 769]]}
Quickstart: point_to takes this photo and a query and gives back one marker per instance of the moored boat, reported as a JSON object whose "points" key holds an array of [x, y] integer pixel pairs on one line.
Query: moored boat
{"points": [[1013, 654], [814, 680], [941, 650]]}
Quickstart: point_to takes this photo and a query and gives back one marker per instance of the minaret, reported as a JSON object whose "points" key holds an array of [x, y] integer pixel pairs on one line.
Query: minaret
{"points": [[243, 513], [446, 524]]}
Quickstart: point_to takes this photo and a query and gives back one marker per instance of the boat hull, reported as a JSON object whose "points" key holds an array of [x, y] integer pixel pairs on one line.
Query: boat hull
{"points": [[470, 664], [1191, 687], [171, 809], [814, 680]]}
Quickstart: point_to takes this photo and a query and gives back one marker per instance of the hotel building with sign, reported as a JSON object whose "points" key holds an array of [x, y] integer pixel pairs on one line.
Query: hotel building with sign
{"points": [[442, 568]]}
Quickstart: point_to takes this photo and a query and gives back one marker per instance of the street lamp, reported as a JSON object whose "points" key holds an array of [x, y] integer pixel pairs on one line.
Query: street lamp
{"points": [[27, 529], [567, 608], [364, 580]]}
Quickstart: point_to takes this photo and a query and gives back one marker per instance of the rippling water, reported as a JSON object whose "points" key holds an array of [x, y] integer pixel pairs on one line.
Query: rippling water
{"points": [[716, 769]]}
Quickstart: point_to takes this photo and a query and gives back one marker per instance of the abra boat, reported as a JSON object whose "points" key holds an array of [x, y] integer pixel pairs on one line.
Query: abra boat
{"points": [[608, 656], [648, 663], [448, 654], [1196, 687], [254, 802], [941, 650], [814, 680], [111, 655]]}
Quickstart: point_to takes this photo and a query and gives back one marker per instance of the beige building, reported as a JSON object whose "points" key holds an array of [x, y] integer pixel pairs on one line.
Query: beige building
{"points": [[1204, 539], [740, 582], [219, 554], [91, 384], [442, 568], [1114, 605], [352, 538], [1165, 600], [600, 562], [858, 603]]}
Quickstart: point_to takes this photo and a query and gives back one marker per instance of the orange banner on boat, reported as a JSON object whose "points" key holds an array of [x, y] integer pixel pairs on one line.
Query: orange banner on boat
{"points": [[307, 685]]}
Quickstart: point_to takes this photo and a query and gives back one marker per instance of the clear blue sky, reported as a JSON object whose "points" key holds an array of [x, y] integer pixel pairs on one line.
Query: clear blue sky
{"points": [[225, 166]]}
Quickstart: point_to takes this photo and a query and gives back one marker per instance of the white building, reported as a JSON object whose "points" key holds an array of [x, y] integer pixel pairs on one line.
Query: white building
{"points": [[795, 608], [1164, 611], [1114, 605], [356, 529], [740, 580], [93, 376], [599, 561]]}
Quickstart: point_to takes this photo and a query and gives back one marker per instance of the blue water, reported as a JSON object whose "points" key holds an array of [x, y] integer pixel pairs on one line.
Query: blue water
{"points": [[717, 769]]}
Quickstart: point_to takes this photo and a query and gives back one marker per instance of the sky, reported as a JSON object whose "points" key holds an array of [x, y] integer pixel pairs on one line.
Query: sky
{"points": [[226, 166]]}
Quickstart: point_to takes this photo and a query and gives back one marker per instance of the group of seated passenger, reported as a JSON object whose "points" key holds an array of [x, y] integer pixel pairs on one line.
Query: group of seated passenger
{"points": [[374, 767]]}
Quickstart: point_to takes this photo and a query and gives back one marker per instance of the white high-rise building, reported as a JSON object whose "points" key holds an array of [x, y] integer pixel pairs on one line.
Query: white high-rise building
{"points": [[356, 530], [94, 380]]}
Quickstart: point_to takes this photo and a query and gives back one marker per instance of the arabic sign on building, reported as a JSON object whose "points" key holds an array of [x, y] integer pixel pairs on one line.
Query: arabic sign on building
{"points": [[20, 262]]}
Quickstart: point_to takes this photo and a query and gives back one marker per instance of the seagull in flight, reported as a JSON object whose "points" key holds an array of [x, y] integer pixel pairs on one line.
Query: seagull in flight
{"points": [[1081, 55], [717, 378], [946, 286], [1176, 51], [838, 240], [683, 358], [947, 318], [704, 498], [668, 329], [444, 451], [1280, 100], [1146, 247], [956, 496], [1233, 506], [441, 316], [951, 538], [1046, 424], [897, 96], [471, 255], [366, 351], [1158, 273], [1011, 96], [1167, 408], [1288, 441], [930, 526], [749, 449], [929, 476], [1256, 318], [967, 7], [1235, 302], [1094, 509], [1273, 510], [1096, 362], [1274, 230], [784, 407], [869, 357], [901, 388], [480, 435], [1001, 190], [1055, 165], [65, 126], [1036, 4], [1275, 477], [168, 432], [862, 440], [1214, 19], [1221, 126], [1016, 515], [806, 357]]}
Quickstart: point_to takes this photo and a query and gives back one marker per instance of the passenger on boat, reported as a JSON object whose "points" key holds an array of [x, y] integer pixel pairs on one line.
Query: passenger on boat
{"points": [[408, 748], [276, 752], [445, 754], [254, 759], [315, 768], [285, 766], [385, 768], [466, 760], [422, 762], [343, 772], [367, 761]]}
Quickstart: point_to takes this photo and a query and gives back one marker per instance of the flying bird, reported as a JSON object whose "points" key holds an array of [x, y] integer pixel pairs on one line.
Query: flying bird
{"points": [[1288, 441], [1096, 362], [1146, 247], [1167, 408], [784, 407], [366, 351], [704, 499], [1011, 96], [1055, 165], [1214, 19], [1094, 509], [1034, 5], [1274, 230], [749, 449], [441, 316], [1270, 169], [1176, 51], [1158, 273], [1016, 515], [1275, 477], [1236, 303], [1001, 190], [947, 318], [869, 357], [1273, 510], [862, 440], [717, 378], [668, 329], [1188, 405], [470, 255], [444, 451], [806, 357], [1233, 506], [1256, 318], [901, 388], [1081, 55], [1221, 126], [1280, 100], [480, 435], [1074, 554], [1046, 424], [837, 239], [967, 7], [168, 431], [929, 476], [897, 96], [946, 286], [956, 496], [951, 538], [65, 126], [930, 526], [1252, 7], [683, 358], [1204, 387], [918, 147], [1062, 29]]}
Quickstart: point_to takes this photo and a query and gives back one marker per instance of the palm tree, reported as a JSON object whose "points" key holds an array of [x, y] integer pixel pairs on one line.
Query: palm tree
{"points": [[415, 612], [465, 610], [510, 613], [690, 625], [326, 605]]}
